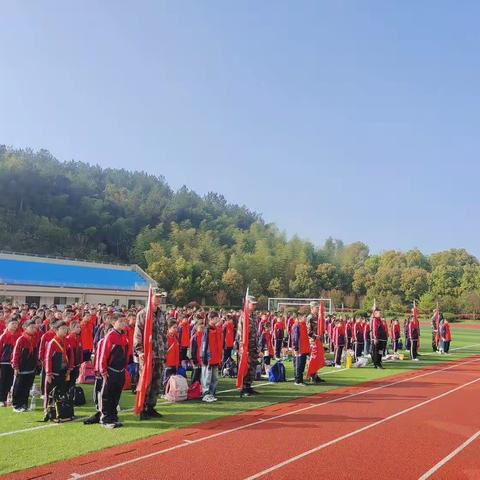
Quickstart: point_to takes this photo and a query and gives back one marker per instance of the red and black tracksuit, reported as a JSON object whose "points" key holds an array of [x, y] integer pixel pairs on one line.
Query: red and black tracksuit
{"points": [[112, 363], [57, 365], [46, 337], [413, 336], [379, 340], [301, 345], [24, 361], [339, 342], [278, 334], [195, 352], [445, 336], [358, 339], [75, 354], [7, 344], [266, 346], [395, 336], [184, 341]]}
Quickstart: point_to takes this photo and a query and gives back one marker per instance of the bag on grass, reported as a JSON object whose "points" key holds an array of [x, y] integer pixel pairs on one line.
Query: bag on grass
{"points": [[86, 374], [229, 368], [59, 406], [361, 362], [76, 395], [277, 373], [194, 391], [176, 389]]}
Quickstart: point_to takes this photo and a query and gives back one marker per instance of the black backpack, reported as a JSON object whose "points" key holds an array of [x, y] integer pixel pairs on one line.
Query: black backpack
{"points": [[77, 396], [60, 406]]}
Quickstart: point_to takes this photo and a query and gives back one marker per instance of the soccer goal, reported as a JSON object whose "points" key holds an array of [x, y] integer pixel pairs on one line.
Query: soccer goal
{"points": [[275, 304]]}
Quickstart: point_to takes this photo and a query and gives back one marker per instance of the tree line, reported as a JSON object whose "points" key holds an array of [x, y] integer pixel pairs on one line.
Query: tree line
{"points": [[205, 249]]}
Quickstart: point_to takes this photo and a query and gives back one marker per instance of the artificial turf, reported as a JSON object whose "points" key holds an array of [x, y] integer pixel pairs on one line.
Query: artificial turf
{"points": [[25, 449]]}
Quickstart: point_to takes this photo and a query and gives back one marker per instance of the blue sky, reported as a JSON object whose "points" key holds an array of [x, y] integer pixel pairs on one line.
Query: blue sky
{"points": [[352, 119]]}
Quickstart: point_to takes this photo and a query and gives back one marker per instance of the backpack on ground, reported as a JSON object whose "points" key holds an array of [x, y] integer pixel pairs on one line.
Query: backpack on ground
{"points": [[86, 374], [277, 373], [229, 368], [176, 389], [76, 395], [361, 362], [194, 391], [182, 371], [59, 406]]}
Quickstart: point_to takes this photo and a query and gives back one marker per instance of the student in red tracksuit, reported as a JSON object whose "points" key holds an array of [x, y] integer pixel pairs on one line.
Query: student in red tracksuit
{"points": [[379, 338], [278, 334], [184, 340], [113, 362], [74, 351], [413, 336], [339, 342], [211, 357], [395, 335], [195, 350], [87, 325], [172, 360], [24, 363], [228, 338], [349, 334], [367, 337], [445, 337], [57, 363], [358, 339], [132, 364], [266, 345], [7, 343], [45, 338], [301, 347]]}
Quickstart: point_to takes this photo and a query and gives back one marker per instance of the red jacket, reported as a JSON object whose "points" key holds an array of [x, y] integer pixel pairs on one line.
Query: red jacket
{"points": [[3, 326], [378, 330], [184, 334], [395, 331], [228, 335], [86, 327], [445, 332], [25, 354], [266, 343], [358, 332], [212, 346], [195, 348], [413, 330], [113, 352], [301, 340], [129, 330], [173, 352], [57, 360], [339, 336], [74, 349], [7, 344]]}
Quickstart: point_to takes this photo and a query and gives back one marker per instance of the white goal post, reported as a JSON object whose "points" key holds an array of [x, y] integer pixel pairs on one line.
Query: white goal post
{"points": [[275, 303]]}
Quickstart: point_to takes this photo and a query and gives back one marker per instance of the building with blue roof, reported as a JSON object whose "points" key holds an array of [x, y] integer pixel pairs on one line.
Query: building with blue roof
{"points": [[45, 281]]}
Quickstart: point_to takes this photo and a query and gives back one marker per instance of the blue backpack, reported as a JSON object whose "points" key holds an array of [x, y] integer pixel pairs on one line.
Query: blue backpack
{"points": [[277, 373]]}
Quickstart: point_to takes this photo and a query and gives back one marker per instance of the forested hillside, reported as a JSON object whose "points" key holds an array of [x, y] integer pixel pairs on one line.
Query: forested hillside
{"points": [[205, 248]]}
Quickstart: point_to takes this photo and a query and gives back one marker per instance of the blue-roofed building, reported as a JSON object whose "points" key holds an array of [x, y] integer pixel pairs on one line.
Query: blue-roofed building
{"points": [[44, 280]]}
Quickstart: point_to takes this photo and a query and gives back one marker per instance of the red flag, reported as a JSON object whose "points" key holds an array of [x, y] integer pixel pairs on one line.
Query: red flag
{"points": [[243, 365], [317, 357], [146, 373]]}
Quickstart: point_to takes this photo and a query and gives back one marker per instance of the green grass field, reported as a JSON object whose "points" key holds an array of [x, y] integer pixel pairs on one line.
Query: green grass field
{"points": [[23, 449]]}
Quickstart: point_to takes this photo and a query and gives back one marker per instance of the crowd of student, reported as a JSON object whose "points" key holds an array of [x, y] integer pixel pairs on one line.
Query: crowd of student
{"points": [[54, 344]]}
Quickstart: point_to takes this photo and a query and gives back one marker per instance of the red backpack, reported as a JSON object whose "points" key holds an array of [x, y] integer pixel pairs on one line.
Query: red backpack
{"points": [[87, 373], [194, 391]]}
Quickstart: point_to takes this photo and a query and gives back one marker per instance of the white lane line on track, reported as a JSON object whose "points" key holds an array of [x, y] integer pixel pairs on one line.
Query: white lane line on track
{"points": [[450, 456], [258, 422], [356, 432]]}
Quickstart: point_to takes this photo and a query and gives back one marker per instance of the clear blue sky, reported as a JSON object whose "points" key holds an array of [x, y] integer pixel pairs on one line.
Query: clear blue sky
{"points": [[352, 119]]}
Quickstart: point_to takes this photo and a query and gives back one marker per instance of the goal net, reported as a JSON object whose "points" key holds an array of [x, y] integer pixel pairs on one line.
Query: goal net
{"points": [[276, 304]]}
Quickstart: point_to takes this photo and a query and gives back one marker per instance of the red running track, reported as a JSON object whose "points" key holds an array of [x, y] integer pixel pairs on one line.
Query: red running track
{"points": [[394, 428]]}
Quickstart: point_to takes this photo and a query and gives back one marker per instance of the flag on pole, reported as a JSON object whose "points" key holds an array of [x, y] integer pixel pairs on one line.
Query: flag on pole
{"points": [[243, 365], [317, 357], [146, 373]]}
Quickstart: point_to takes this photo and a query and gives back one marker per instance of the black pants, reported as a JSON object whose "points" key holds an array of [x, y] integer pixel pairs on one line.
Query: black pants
{"points": [[278, 347], [196, 374], [73, 377], [446, 346], [183, 354], [21, 389], [413, 348], [300, 362], [110, 396], [97, 388], [227, 354], [338, 354], [57, 381], [395, 345], [358, 350], [87, 354], [266, 359], [377, 348], [6, 381]]}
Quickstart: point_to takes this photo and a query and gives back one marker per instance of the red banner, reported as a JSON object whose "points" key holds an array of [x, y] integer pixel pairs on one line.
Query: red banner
{"points": [[146, 373], [317, 356], [243, 365]]}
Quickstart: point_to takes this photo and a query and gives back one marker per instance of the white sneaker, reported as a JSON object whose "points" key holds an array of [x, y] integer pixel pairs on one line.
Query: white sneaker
{"points": [[19, 410], [415, 359], [338, 366], [300, 384], [214, 399], [208, 399], [108, 425]]}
